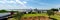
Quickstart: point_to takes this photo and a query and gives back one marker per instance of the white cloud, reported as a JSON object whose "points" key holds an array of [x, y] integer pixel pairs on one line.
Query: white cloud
{"points": [[5, 6], [12, 2], [2, 2], [6, 1], [24, 2], [19, 1]]}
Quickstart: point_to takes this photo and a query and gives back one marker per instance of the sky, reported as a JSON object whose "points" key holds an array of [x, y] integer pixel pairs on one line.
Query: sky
{"points": [[27, 4]]}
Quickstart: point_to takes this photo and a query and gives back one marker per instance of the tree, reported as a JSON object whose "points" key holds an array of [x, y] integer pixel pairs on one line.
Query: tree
{"points": [[54, 9], [2, 11], [51, 12], [30, 12], [18, 15], [59, 8], [36, 9]]}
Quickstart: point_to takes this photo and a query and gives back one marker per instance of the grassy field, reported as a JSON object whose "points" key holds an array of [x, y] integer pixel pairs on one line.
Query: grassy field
{"points": [[43, 14], [29, 15], [12, 19], [55, 16]]}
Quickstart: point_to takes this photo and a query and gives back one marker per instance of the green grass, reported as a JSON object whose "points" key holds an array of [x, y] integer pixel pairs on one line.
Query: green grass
{"points": [[29, 15], [43, 14], [12, 19], [56, 17]]}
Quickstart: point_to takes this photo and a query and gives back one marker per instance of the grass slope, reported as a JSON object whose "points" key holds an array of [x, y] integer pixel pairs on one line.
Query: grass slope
{"points": [[43, 14]]}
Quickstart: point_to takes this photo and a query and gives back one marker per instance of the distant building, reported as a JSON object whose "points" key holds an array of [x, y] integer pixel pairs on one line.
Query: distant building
{"points": [[59, 9], [28, 10]]}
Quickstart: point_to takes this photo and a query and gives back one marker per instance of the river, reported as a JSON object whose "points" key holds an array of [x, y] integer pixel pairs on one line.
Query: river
{"points": [[4, 14]]}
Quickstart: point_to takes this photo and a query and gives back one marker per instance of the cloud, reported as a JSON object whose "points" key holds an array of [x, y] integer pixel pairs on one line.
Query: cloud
{"points": [[2, 2], [10, 7], [12, 2], [19, 1], [7, 2], [24, 2], [16, 5]]}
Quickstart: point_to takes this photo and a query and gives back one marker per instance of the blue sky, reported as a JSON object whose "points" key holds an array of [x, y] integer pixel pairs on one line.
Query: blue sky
{"points": [[27, 4]]}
